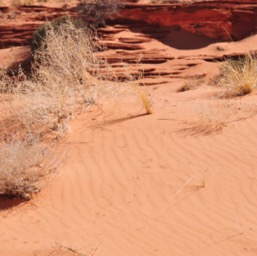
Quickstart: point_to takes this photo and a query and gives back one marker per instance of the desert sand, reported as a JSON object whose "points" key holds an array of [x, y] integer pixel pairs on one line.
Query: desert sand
{"points": [[181, 181]]}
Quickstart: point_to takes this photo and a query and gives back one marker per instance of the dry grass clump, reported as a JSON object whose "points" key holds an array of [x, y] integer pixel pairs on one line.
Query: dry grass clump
{"points": [[100, 10], [59, 80], [211, 118], [22, 164], [239, 77], [67, 250], [5, 81], [43, 102], [66, 76], [56, 25], [191, 84], [143, 96]]}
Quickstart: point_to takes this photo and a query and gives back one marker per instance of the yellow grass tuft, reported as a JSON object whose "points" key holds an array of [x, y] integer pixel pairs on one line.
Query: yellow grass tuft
{"points": [[143, 95], [146, 101], [239, 77]]}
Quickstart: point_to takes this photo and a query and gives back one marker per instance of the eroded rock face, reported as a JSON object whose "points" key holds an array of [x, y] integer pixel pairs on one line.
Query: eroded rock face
{"points": [[161, 42], [18, 24], [222, 20]]}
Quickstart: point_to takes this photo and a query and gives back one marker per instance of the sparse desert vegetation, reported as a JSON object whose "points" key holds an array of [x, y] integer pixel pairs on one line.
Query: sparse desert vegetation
{"points": [[22, 164], [44, 101], [239, 77], [100, 10], [191, 84], [100, 154], [65, 77]]}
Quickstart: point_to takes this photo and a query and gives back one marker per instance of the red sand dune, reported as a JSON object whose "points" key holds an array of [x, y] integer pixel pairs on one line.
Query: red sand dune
{"points": [[181, 181]]}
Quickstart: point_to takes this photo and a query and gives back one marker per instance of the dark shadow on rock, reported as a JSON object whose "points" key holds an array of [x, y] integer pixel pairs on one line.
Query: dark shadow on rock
{"points": [[174, 36]]}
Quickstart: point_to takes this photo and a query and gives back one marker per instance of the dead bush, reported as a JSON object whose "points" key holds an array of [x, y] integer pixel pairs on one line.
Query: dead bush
{"points": [[22, 164], [60, 79], [66, 75], [100, 10]]}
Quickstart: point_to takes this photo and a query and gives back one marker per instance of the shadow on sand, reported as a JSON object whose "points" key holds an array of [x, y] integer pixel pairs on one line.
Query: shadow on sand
{"points": [[118, 120], [8, 203]]}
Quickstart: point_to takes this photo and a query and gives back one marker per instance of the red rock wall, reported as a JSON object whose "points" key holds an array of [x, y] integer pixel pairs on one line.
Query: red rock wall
{"points": [[18, 24], [223, 20]]}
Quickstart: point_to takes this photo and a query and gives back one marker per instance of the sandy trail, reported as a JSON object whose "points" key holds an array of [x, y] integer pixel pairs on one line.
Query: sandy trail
{"points": [[179, 182]]}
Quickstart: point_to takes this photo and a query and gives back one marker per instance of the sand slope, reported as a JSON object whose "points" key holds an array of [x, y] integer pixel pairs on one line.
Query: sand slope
{"points": [[146, 186], [181, 181]]}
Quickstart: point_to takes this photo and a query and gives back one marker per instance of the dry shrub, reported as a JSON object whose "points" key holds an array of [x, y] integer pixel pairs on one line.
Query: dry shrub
{"points": [[39, 36], [211, 118], [66, 76], [22, 163], [43, 102], [99, 10], [191, 84], [60, 80], [5, 81], [239, 77]]}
